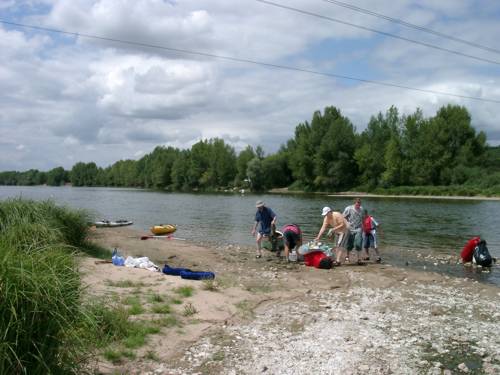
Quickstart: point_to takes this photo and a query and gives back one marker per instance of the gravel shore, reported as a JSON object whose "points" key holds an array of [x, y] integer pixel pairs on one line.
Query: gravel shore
{"points": [[429, 328], [270, 317]]}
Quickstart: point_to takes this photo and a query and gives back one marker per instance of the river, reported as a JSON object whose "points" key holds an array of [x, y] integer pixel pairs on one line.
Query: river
{"points": [[412, 228]]}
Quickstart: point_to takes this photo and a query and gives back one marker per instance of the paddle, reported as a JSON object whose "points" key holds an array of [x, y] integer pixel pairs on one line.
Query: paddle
{"points": [[168, 237]]}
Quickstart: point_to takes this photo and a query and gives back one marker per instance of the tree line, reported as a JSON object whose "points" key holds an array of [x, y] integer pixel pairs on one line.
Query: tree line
{"points": [[325, 154]]}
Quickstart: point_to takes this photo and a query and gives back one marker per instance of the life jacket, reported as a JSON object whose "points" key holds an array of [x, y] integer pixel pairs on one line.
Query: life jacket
{"points": [[368, 224], [468, 250]]}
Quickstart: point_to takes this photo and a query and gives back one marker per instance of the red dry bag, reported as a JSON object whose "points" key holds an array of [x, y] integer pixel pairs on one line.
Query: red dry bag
{"points": [[468, 249], [313, 258]]}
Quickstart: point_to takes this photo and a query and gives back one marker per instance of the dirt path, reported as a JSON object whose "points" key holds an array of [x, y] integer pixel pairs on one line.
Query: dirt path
{"points": [[266, 316]]}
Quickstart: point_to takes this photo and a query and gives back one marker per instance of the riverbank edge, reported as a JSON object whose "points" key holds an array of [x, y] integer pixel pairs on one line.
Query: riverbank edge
{"points": [[354, 194]]}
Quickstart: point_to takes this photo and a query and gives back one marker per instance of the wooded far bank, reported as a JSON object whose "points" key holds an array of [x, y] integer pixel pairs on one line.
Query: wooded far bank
{"points": [[411, 154]]}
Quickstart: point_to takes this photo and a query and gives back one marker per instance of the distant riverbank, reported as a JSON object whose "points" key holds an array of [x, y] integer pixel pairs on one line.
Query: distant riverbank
{"points": [[374, 195]]}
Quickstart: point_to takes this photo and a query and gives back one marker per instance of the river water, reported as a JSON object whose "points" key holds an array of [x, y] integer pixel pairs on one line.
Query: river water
{"points": [[412, 228]]}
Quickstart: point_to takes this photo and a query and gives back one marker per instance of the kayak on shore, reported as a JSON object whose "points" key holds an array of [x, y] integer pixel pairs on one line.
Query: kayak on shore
{"points": [[109, 224], [163, 229]]}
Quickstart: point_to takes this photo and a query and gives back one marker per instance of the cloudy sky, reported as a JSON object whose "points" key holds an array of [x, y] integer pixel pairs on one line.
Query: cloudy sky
{"points": [[66, 99]]}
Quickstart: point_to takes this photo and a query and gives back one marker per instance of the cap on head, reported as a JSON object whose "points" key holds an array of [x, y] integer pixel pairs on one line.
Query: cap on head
{"points": [[326, 210], [259, 204]]}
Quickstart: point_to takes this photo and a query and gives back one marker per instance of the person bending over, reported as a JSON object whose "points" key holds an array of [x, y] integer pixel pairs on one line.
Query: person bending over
{"points": [[340, 228], [292, 236]]}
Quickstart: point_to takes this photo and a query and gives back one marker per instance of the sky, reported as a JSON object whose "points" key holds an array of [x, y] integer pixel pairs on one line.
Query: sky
{"points": [[66, 98]]}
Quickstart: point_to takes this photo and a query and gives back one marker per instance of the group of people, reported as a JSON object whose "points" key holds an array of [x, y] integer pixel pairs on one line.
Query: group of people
{"points": [[352, 229]]}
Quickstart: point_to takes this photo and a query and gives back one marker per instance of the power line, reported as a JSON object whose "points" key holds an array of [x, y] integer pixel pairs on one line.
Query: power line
{"points": [[411, 25], [378, 31], [244, 60]]}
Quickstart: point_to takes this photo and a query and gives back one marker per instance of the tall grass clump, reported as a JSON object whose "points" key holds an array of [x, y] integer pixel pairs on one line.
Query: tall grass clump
{"points": [[40, 308], [27, 224], [39, 300]]}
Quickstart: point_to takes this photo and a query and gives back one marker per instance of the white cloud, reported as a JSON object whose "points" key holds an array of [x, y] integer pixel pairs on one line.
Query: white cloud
{"points": [[68, 99]]}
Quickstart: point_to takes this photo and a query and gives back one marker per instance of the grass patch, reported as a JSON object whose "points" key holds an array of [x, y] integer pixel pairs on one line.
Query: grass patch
{"points": [[176, 301], [131, 300], [211, 285], [156, 298], [167, 322], [116, 356], [138, 333], [457, 354], [245, 309], [219, 356], [189, 310], [161, 309], [184, 291], [152, 356], [136, 309]]}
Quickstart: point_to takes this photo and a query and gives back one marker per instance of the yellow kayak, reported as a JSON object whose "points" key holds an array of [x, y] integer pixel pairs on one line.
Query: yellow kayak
{"points": [[163, 229]]}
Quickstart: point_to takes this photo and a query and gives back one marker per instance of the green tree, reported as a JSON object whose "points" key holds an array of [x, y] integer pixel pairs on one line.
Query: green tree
{"points": [[57, 176], [84, 174], [242, 164]]}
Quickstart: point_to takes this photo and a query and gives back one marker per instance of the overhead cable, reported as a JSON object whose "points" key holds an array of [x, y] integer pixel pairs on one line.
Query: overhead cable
{"points": [[410, 25], [331, 19], [243, 60]]}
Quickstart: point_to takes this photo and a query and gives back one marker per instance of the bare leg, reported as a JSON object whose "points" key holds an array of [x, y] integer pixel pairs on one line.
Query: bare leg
{"points": [[259, 245], [287, 251], [340, 255]]}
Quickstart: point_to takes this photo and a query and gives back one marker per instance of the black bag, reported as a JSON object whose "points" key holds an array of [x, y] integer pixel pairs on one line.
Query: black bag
{"points": [[326, 263], [481, 255]]}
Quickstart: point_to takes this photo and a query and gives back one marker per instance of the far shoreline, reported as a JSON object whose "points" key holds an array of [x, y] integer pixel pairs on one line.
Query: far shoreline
{"points": [[354, 194]]}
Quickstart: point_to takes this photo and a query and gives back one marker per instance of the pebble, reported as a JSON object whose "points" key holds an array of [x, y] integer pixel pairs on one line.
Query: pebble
{"points": [[463, 367]]}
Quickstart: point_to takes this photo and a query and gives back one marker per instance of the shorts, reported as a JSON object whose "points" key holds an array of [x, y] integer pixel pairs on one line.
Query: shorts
{"points": [[265, 233], [355, 240], [291, 239], [369, 240], [342, 239]]}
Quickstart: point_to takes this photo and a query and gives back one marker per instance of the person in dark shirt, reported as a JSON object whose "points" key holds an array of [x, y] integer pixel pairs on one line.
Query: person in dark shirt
{"points": [[265, 219]]}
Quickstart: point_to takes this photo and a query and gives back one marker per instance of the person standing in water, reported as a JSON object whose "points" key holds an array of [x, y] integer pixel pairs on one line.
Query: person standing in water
{"points": [[370, 226], [354, 214], [265, 219]]}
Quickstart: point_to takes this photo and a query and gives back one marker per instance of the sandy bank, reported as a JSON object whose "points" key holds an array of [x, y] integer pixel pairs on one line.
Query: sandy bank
{"points": [[278, 318]]}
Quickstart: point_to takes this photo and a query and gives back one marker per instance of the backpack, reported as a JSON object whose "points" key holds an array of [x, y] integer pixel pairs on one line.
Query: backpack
{"points": [[367, 224], [481, 255]]}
